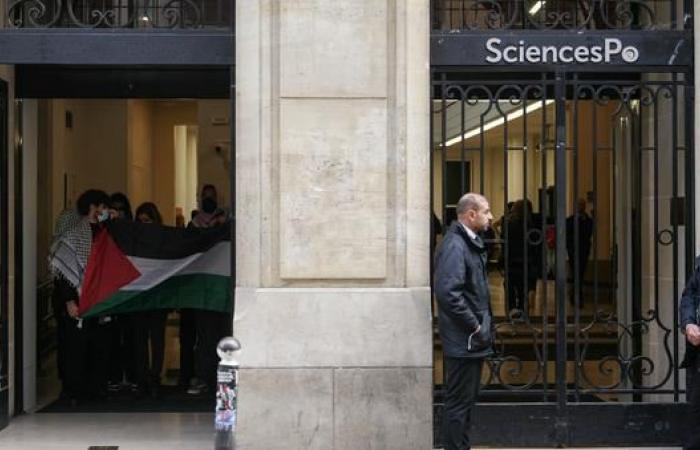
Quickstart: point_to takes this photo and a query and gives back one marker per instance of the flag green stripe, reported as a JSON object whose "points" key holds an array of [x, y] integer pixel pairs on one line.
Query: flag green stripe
{"points": [[200, 291]]}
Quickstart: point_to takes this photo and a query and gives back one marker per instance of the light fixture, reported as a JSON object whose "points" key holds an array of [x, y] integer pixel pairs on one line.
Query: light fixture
{"points": [[499, 121], [536, 7]]}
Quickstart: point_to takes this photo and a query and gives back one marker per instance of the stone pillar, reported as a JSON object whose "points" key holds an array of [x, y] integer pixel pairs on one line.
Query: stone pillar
{"points": [[333, 298]]}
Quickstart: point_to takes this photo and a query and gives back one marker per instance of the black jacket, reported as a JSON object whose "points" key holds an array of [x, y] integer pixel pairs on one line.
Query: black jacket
{"points": [[688, 312], [462, 291]]}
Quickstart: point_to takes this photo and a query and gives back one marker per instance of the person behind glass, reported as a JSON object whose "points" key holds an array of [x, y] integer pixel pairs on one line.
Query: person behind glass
{"points": [[149, 327], [522, 256], [210, 326], [86, 356], [690, 326], [464, 314], [585, 235]]}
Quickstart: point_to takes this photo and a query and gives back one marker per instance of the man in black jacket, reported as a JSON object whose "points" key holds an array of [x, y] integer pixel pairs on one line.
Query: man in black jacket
{"points": [[689, 326], [464, 314]]}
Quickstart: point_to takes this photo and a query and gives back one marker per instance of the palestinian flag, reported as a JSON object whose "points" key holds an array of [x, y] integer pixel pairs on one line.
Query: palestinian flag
{"points": [[143, 266]]}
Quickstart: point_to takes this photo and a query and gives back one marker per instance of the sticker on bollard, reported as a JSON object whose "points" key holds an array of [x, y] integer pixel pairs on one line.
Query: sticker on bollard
{"points": [[226, 401], [225, 421]]}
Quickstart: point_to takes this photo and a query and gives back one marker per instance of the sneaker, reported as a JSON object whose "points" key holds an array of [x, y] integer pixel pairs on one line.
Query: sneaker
{"points": [[197, 387], [129, 386], [114, 386]]}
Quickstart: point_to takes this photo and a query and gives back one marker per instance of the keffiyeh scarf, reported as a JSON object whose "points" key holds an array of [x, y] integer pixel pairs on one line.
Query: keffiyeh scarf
{"points": [[70, 249]]}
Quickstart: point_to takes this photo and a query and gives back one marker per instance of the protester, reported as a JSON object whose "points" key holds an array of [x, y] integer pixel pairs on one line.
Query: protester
{"points": [[149, 327], [210, 326], [122, 366], [464, 314], [87, 356], [66, 221]]}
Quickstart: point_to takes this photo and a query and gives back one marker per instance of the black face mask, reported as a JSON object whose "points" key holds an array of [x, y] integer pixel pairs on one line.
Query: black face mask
{"points": [[209, 205]]}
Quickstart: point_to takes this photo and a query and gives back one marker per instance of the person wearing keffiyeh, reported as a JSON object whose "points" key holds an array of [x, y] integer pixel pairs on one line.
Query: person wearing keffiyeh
{"points": [[83, 360]]}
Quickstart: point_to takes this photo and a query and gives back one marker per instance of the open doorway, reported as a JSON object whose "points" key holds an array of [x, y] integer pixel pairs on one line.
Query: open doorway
{"points": [[159, 151]]}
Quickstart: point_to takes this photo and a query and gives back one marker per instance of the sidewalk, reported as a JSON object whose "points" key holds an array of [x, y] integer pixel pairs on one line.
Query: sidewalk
{"points": [[145, 431]]}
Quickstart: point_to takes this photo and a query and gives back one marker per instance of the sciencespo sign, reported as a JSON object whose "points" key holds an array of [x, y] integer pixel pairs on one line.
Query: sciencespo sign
{"points": [[609, 51]]}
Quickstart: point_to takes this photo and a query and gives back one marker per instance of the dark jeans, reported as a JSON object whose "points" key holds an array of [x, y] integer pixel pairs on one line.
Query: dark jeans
{"points": [[211, 327], [149, 328], [463, 378], [693, 396]]}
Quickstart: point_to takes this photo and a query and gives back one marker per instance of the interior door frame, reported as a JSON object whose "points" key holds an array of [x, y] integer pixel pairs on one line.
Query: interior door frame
{"points": [[4, 260]]}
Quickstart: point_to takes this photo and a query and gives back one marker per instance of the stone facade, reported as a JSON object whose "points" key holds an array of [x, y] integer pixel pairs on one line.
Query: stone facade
{"points": [[333, 298]]}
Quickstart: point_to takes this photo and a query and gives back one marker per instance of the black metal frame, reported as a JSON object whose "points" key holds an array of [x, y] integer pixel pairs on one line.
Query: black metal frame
{"points": [[4, 259], [18, 306], [561, 411]]}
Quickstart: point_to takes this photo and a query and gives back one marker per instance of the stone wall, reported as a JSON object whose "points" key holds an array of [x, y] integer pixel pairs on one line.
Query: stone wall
{"points": [[333, 298]]}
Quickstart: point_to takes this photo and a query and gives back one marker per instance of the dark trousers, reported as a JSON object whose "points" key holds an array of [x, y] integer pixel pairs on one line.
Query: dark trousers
{"points": [[211, 328], [693, 395], [518, 290], [149, 332], [86, 358], [61, 324], [188, 338], [582, 264], [463, 378], [122, 363]]}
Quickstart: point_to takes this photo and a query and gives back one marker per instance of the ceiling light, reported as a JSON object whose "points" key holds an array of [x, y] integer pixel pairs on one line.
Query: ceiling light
{"points": [[499, 121], [536, 7]]}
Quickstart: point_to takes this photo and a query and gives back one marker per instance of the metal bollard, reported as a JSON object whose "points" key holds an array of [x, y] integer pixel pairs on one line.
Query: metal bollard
{"points": [[228, 350]]}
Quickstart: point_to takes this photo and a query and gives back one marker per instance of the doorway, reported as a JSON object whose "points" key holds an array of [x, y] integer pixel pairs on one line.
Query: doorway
{"points": [[587, 176], [155, 146]]}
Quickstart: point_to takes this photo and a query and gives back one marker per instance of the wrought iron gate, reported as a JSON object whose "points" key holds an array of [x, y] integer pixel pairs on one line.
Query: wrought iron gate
{"points": [[590, 178]]}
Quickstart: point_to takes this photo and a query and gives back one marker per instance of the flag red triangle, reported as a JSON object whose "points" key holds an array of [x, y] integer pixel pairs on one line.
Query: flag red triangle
{"points": [[108, 269]]}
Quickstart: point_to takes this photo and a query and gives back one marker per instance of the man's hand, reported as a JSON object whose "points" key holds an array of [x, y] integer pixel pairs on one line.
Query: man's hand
{"points": [[72, 309], [692, 332]]}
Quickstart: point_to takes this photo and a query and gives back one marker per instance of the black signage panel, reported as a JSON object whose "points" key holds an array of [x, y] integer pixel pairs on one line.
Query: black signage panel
{"points": [[592, 49]]}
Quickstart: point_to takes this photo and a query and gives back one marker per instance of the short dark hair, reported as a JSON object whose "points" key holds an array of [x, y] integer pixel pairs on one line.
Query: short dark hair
{"points": [[119, 200], [208, 187], [91, 197], [151, 210]]}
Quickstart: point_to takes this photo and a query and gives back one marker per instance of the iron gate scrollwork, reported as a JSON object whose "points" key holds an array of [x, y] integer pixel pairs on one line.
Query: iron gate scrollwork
{"points": [[140, 14], [603, 328], [470, 15]]}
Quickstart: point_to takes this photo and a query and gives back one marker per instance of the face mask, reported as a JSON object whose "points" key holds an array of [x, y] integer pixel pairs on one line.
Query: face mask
{"points": [[104, 215], [209, 205]]}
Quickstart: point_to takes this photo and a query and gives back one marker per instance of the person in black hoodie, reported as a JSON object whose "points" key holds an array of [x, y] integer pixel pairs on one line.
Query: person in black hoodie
{"points": [[464, 314]]}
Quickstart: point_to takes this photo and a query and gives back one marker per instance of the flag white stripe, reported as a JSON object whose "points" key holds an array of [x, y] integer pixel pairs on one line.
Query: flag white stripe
{"points": [[215, 261]]}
